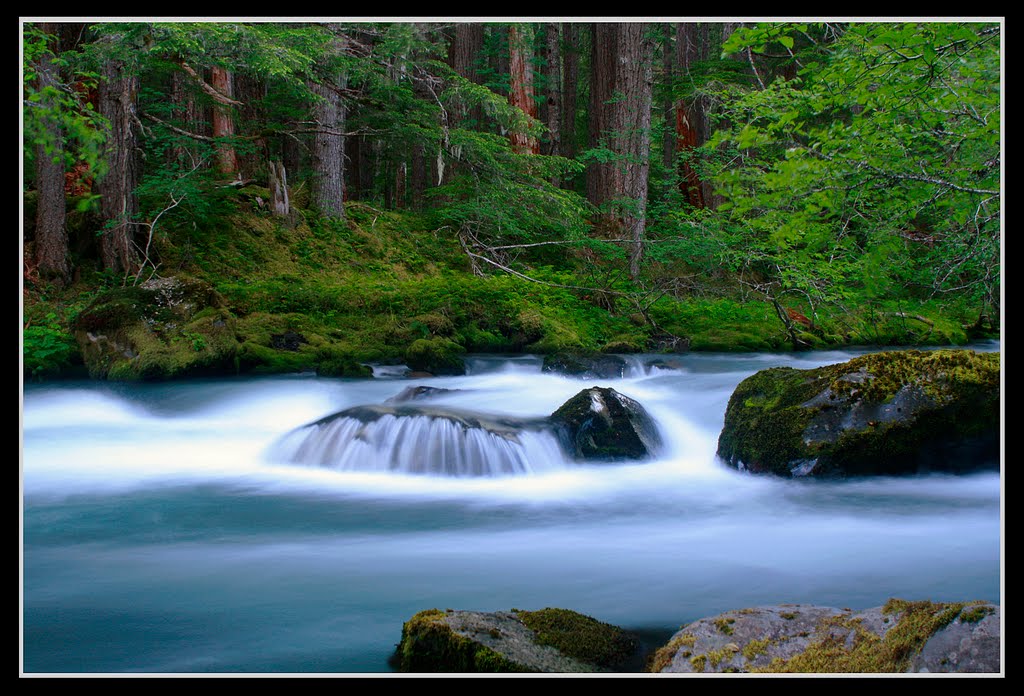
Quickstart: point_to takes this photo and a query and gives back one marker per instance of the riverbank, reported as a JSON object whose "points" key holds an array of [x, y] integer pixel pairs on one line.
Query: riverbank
{"points": [[325, 297]]}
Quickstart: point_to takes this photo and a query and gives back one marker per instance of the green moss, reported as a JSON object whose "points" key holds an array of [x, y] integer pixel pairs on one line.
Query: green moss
{"points": [[954, 396], [429, 645], [699, 662], [756, 647], [725, 625], [867, 652], [436, 355], [662, 657], [580, 636], [974, 614]]}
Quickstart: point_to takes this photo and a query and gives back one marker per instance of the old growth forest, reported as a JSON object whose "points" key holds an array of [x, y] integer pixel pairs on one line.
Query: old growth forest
{"points": [[358, 192]]}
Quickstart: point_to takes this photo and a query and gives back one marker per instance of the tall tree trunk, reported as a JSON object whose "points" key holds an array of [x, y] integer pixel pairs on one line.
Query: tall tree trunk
{"points": [[570, 81], [603, 57], [690, 116], [633, 123], [669, 59], [119, 205], [553, 103], [252, 92], [328, 181], [51, 237], [190, 115], [224, 122], [520, 46]]}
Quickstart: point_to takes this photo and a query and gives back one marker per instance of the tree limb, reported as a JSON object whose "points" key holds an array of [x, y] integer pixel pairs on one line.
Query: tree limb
{"points": [[217, 96]]}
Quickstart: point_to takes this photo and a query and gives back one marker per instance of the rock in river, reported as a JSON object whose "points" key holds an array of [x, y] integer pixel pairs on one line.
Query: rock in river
{"points": [[899, 637], [889, 413], [601, 424]]}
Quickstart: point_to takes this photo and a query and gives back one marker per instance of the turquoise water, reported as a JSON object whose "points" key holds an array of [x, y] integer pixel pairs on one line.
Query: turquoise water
{"points": [[164, 532]]}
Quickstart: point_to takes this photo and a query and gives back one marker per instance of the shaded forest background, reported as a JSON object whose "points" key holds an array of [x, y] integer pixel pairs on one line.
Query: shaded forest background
{"points": [[542, 187]]}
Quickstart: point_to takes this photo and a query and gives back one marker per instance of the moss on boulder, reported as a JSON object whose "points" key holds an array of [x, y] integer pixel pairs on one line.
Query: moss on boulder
{"points": [[164, 328], [897, 412], [438, 356], [549, 640], [899, 637]]}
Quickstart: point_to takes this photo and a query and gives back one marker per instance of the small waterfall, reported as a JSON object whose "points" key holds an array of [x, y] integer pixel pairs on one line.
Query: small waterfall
{"points": [[423, 440]]}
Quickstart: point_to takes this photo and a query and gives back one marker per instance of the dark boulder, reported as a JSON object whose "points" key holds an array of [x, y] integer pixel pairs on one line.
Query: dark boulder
{"points": [[585, 365], [164, 328], [549, 640], [601, 424], [890, 413], [899, 637]]}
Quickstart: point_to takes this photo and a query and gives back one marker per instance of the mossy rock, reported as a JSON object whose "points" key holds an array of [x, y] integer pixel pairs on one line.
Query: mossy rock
{"points": [[600, 424], [899, 637], [162, 329], [549, 640], [890, 413], [438, 356]]}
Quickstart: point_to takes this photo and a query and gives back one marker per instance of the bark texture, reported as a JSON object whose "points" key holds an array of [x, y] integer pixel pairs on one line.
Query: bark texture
{"points": [[224, 122], [620, 113], [119, 205], [520, 43], [328, 181], [51, 240]]}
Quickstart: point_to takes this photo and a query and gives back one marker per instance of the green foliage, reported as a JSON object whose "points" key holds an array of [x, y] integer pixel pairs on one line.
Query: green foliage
{"points": [[877, 168], [55, 112], [47, 348], [499, 197]]}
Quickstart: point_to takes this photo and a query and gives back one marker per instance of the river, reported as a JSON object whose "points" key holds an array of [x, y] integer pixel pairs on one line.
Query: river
{"points": [[165, 533]]}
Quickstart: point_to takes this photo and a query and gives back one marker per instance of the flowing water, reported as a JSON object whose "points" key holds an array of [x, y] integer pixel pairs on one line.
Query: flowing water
{"points": [[181, 528]]}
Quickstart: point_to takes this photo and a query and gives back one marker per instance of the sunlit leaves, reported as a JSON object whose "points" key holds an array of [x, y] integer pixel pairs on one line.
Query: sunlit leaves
{"points": [[879, 153]]}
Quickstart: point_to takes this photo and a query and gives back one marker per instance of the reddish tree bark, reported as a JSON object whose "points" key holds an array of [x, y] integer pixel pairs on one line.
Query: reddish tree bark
{"points": [[224, 122], [520, 45]]}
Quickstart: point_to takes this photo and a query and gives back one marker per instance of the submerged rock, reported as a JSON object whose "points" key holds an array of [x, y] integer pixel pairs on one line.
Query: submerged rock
{"points": [[598, 424], [418, 393], [601, 424], [585, 365], [164, 328], [898, 637], [549, 640], [418, 439], [896, 412]]}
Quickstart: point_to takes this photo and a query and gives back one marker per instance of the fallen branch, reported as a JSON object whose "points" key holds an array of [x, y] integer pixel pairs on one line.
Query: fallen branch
{"points": [[904, 315]]}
